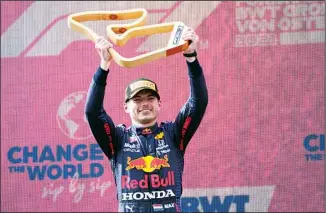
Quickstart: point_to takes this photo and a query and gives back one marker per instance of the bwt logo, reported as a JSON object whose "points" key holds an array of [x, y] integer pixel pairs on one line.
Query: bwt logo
{"points": [[217, 203], [228, 199], [315, 144]]}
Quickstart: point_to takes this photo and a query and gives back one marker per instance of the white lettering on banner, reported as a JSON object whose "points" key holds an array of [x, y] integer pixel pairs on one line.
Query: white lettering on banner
{"points": [[147, 195], [78, 189], [267, 23], [51, 35], [47, 191], [263, 3], [229, 199]]}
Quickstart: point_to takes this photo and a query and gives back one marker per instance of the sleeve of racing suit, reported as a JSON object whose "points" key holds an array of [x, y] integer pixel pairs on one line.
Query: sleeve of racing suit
{"points": [[101, 124], [192, 112]]}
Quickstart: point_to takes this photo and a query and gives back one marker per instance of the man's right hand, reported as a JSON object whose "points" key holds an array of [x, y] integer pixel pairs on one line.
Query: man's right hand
{"points": [[102, 46]]}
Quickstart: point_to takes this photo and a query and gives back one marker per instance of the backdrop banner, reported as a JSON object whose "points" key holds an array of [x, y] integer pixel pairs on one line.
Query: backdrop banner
{"points": [[260, 146]]}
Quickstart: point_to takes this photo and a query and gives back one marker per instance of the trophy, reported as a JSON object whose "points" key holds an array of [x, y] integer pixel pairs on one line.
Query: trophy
{"points": [[120, 34]]}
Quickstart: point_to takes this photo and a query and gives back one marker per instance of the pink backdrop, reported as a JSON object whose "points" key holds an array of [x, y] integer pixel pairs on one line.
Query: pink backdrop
{"points": [[260, 146]]}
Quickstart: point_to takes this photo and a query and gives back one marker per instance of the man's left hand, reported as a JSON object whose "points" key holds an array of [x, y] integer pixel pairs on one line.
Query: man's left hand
{"points": [[190, 35]]}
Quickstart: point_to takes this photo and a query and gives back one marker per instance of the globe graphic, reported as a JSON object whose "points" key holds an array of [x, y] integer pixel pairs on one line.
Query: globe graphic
{"points": [[71, 117]]}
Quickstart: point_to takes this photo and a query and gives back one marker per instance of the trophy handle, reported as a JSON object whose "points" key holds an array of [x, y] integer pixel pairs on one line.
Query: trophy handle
{"points": [[175, 44], [74, 20]]}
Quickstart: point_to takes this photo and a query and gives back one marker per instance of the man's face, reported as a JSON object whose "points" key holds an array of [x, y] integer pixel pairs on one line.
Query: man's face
{"points": [[143, 107]]}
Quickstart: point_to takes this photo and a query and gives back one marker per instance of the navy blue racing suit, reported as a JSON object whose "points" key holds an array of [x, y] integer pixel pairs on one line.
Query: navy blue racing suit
{"points": [[147, 163]]}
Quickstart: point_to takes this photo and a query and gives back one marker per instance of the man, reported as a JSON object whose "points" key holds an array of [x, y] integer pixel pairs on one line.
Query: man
{"points": [[147, 159]]}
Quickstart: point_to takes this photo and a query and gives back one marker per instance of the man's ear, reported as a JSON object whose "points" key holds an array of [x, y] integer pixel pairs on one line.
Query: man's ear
{"points": [[159, 104], [125, 107]]}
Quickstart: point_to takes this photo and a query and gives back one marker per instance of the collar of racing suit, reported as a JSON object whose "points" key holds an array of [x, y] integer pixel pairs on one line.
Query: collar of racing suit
{"points": [[144, 130]]}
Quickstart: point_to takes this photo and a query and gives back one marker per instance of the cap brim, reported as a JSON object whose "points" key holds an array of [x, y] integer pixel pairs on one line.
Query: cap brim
{"points": [[140, 89]]}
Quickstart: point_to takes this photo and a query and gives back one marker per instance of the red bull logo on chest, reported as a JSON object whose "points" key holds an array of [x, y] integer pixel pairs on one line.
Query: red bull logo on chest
{"points": [[154, 180], [148, 163]]}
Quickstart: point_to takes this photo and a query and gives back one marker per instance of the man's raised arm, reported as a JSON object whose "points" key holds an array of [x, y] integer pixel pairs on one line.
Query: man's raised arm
{"points": [[192, 112], [101, 124]]}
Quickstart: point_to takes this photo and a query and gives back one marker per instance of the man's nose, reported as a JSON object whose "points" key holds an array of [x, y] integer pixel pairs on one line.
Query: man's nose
{"points": [[144, 102]]}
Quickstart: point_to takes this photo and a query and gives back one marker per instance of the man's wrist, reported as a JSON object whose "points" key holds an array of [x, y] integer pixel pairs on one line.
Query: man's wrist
{"points": [[191, 54], [105, 65], [190, 57]]}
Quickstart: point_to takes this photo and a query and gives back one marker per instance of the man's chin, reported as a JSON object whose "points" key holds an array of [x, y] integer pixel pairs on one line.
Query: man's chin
{"points": [[145, 120]]}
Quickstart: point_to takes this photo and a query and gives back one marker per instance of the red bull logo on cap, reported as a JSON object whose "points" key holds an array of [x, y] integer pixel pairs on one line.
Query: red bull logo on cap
{"points": [[148, 163], [143, 83]]}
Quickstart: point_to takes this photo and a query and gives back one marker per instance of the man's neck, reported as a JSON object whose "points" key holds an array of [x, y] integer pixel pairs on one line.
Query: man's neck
{"points": [[143, 125]]}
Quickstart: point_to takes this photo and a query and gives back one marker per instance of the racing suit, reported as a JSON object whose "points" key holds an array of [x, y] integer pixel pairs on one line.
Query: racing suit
{"points": [[147, 163]]}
